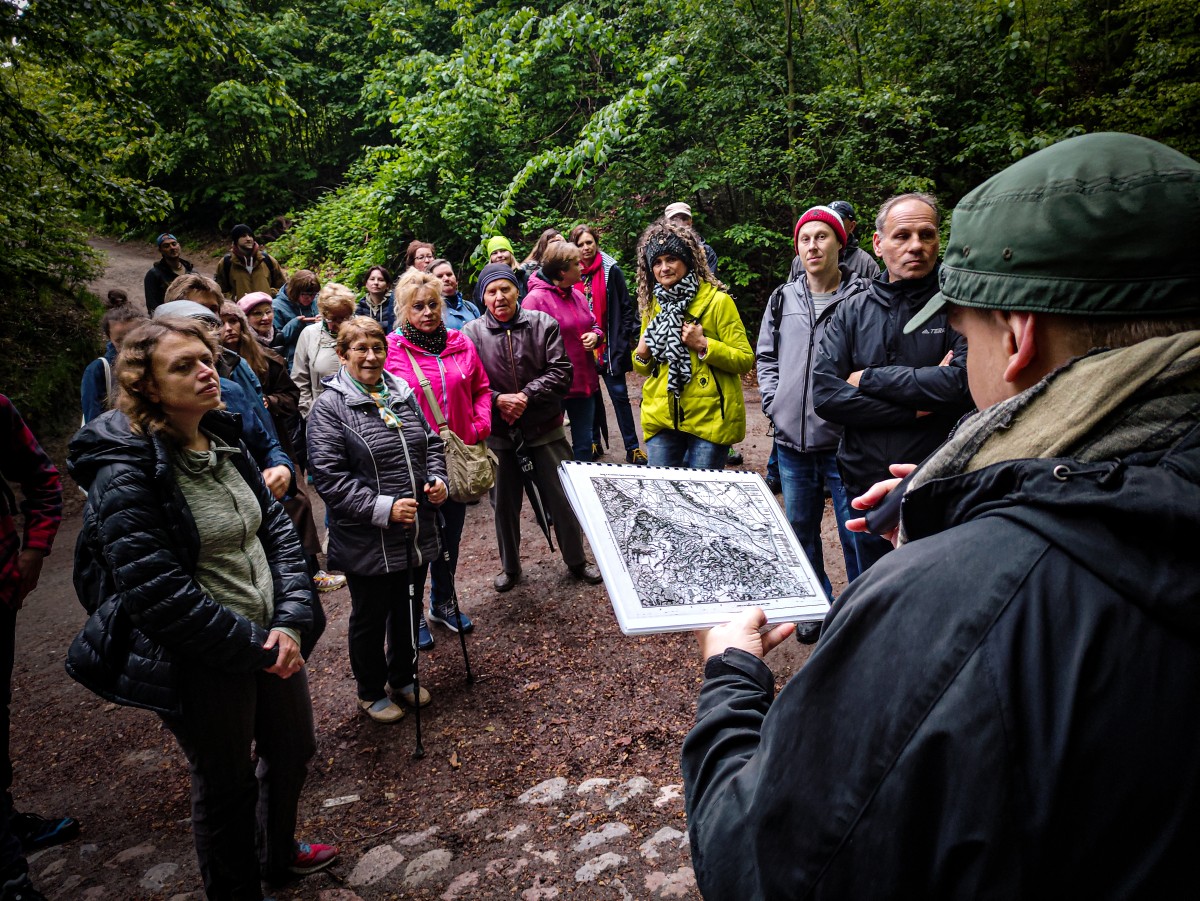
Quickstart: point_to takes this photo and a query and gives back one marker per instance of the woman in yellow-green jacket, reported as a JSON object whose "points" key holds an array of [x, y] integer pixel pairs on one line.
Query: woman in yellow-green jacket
{"points": [[693, 351]]}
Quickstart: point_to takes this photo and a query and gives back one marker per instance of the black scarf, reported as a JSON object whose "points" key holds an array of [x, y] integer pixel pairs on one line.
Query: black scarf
{"points": [[664, 334], [434, 342]]}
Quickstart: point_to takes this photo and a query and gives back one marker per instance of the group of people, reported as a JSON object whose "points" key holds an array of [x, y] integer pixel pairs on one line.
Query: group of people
{"points": [[1038, 562]]}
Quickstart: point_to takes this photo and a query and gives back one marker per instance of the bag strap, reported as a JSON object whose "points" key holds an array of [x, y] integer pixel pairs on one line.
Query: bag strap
{"points": [[424, 383], [108, 380]]}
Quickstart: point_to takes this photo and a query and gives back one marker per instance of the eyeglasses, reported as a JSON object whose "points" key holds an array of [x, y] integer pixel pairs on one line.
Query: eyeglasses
{"points": [[264, 313], [363, 350]]}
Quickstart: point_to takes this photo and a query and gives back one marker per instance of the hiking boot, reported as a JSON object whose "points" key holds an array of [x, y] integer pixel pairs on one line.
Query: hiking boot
{"points": [[20, 889], [450, 619], [35, 832], [637, 457], [312, 858], [597, 451], [424, 636], [808, 633], [507, 581], [407, 695], [586, 572], [734, 457], [385, 710], [327, 582], [775, 486]]}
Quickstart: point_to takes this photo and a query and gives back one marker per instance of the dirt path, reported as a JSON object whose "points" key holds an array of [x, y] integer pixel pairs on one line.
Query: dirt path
{"points": [[554, 775]]}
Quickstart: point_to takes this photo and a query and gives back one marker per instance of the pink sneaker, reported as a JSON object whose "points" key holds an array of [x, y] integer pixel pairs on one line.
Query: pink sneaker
{"points": [[312, 858]]}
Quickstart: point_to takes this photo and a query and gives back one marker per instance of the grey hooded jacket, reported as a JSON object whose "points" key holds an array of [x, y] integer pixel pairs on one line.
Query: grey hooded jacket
{"points": [[787, 345]]}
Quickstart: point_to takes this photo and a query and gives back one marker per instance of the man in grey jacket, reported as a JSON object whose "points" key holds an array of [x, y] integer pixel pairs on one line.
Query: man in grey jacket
{"points": [[806, 445]]}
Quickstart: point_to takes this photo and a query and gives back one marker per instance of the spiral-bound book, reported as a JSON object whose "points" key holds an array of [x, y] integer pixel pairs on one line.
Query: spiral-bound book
{"points": [[685, 549]]}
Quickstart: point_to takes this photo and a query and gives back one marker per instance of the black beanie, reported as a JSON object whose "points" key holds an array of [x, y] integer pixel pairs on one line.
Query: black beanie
{"points": [[493, 271], [239, 230]]}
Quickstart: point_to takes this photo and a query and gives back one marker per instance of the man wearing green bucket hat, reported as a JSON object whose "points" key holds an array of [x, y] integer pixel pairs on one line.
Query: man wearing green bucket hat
{"points": [[1005, 706]]}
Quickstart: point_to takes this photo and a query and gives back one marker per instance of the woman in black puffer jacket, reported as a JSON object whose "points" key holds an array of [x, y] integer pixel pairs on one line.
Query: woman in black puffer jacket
{"points": [[201, 606], [381, 471]]}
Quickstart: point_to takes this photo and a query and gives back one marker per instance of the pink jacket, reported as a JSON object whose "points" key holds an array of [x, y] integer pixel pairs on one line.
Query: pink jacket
{"points": [[573, 318], [456, 378]]}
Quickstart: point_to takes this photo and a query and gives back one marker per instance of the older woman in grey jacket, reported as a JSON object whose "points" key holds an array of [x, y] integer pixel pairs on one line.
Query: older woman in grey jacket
{"points": [[381, 471]]}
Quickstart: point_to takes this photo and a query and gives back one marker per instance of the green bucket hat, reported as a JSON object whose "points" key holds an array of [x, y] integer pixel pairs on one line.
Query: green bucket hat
{"points": [[1099, 225]]}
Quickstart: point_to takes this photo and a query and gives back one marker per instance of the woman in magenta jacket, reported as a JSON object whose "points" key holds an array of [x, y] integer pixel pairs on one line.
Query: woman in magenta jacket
{"points": [[451, 365], [551, 290]]}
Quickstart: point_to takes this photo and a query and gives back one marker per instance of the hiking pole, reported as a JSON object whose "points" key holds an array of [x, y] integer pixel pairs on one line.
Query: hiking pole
{"points": [[419, 750], [445, 550]]}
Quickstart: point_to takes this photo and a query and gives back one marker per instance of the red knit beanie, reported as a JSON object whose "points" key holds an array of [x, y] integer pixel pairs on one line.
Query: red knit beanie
{"points": [[821, 214]]}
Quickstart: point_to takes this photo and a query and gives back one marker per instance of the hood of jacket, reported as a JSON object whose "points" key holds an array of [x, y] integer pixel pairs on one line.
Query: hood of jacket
{"points": [[1131, 521], [456, 343], [342, 383], [540, 282], [108, 439]]}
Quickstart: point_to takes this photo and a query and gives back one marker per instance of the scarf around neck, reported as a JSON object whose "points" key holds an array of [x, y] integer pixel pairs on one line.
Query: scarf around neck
{"points": [[434, 342], [382, 397], [594, 289], [664, 334], [1101, 406]]}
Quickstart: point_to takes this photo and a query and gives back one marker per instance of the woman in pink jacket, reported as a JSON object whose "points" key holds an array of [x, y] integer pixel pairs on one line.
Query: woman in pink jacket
{"points": [[422, 345], [551, 290]]}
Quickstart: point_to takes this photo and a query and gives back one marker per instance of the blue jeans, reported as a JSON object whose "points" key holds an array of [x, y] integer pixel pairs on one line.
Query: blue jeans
{"points": [[441, 576], [773, 461], [618, 393], [581, 411], [804, 477], [672, 448]]}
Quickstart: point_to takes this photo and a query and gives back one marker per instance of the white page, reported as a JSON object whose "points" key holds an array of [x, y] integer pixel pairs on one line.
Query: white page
{"points": [[684, 549]]}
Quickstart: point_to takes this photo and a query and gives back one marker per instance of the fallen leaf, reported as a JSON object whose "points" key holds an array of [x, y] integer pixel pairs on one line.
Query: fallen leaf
{"points": [[454, 760]]}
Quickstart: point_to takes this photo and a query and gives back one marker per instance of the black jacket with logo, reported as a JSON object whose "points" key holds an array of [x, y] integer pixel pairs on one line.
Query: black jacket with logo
{"points": [[901, 376]]}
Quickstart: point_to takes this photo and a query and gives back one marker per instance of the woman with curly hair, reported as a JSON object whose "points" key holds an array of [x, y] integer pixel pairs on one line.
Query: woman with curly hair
{"points": [[693, 351], [200, 603]]}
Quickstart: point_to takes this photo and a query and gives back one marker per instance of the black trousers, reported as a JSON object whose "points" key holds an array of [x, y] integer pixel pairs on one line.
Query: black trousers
{"points": [[382, 628], [243, 817], [12, 859]]}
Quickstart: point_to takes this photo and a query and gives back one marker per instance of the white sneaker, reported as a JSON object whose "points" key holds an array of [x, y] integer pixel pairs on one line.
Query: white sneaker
{"points": [[327, 582]]}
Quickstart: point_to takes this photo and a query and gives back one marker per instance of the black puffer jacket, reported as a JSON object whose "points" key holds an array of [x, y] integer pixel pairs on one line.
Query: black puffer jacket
{"points": [[901, 377], [1005, 708], [360, 467], [134, 565]]}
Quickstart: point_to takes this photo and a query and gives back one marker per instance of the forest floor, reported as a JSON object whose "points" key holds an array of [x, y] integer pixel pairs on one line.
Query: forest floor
{"points": [[554, 775]]}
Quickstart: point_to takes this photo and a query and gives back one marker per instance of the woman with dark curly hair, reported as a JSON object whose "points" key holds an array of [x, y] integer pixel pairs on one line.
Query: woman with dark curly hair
{"points": [[693, 351], [200, 603]]}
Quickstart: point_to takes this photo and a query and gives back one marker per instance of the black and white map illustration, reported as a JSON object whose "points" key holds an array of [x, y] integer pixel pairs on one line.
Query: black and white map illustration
{"points": [[687, 542], [690, 548]]}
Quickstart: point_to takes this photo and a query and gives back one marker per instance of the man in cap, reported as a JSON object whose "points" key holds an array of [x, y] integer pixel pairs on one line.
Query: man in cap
{"points": [[247, 267], [897, 395], [1004, 707], [169, 267], [682, 213], [857, 259]]}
